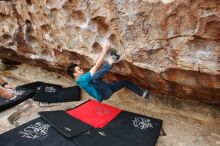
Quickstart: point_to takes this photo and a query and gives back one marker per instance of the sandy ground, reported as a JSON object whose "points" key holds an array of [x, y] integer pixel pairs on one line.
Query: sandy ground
{"points": [[187, 123]]}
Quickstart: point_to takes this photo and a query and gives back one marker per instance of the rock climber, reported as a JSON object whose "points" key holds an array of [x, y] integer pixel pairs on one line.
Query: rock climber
{"points": [[92, 81]]}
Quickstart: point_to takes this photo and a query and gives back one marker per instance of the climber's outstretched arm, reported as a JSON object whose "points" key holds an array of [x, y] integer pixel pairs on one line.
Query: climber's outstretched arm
{"points": [[100, 60]]}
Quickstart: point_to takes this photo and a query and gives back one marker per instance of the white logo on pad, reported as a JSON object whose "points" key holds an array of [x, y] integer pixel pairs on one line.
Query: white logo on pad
{"points": [[35, 131], [142, 123]]}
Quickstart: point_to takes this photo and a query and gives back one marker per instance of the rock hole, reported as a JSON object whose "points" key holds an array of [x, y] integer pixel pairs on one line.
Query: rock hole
{"points": [[102, 27], [44, 27], [33, 42], [113, 40], [30, 29], [46, 52], [212, 30], [6, 38], [10, 44], [72, 3], [78, 15], [96, 48], [115, 43], [9, 64], [4, 18], [29, 2], [2, 15]]}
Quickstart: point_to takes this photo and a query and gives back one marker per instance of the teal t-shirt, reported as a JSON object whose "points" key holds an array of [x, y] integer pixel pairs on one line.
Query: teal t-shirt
{"points": [[85, 82]]}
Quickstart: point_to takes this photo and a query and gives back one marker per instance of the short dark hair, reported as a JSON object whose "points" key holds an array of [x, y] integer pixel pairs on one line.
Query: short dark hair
{"points": [[71, 69]]}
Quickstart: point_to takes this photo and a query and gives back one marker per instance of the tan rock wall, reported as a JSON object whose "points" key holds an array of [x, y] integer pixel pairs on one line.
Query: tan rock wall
{"points": [[170, 45]]}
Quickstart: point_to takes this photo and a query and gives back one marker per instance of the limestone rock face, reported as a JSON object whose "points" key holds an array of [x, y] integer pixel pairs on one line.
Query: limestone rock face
{"points": [[171, 46]]}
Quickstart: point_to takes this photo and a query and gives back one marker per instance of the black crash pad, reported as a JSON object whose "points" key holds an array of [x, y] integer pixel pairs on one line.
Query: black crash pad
{"points": [[47, 92], [136, 129], [53, 93], [33, 86], [64, 123], [68, 94], [34, 133], [21, 95]]}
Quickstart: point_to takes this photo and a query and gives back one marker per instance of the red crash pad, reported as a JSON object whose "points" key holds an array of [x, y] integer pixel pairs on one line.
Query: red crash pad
{"points": [[94, 113]]}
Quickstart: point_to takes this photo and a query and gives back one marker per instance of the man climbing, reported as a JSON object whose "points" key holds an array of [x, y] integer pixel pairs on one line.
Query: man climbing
{"points": [[92, 81], [6, 90]]}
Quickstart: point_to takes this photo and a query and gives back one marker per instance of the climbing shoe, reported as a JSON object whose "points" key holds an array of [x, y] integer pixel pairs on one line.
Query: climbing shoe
{"points": [[146, 94], [114, 54]]}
